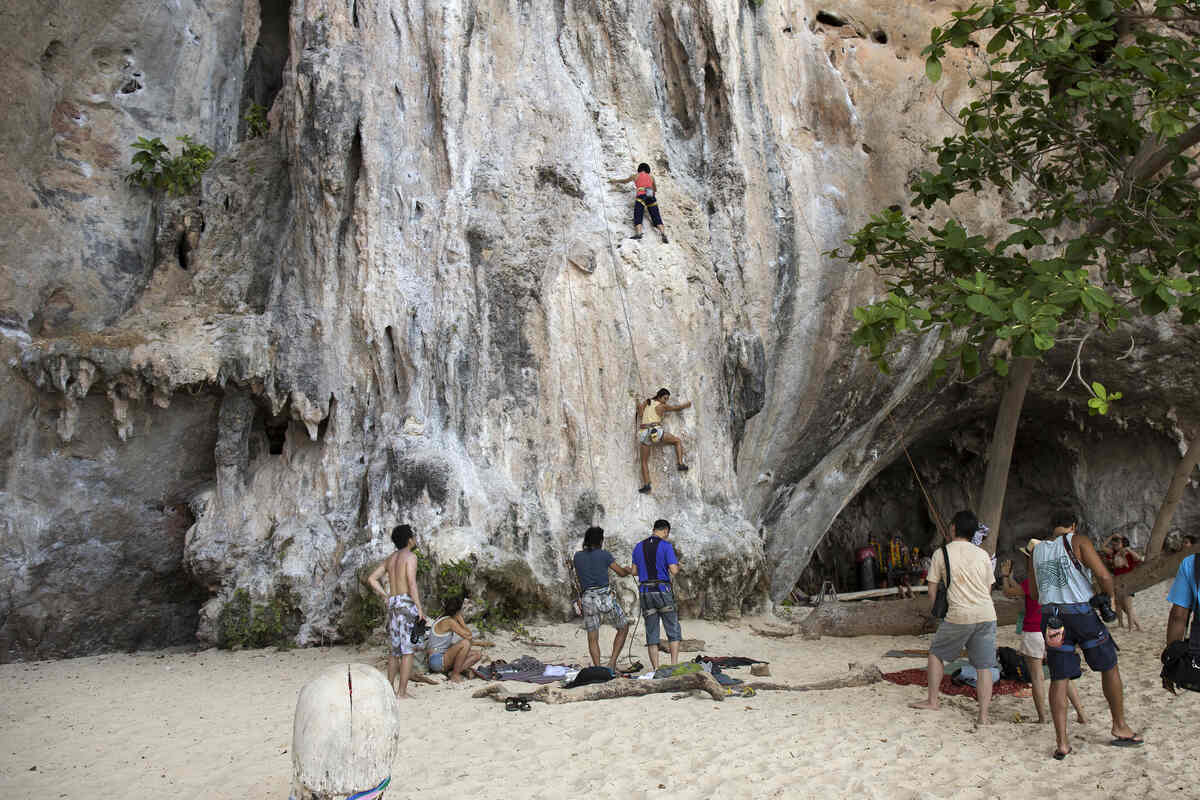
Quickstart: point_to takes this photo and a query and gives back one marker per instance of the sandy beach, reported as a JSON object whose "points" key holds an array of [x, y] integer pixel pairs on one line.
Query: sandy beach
{"points": [[215, 724]]}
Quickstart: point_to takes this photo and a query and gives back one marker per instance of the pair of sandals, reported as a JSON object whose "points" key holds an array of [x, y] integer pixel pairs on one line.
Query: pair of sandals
{"points": [[517, 704]]}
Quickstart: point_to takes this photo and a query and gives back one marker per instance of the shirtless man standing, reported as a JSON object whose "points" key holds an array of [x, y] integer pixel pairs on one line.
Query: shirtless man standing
{"points": [[403, 605]]}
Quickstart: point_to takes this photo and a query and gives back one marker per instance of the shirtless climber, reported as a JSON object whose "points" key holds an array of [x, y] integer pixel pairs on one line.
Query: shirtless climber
{"points": [[648, 428], [644, 200]]}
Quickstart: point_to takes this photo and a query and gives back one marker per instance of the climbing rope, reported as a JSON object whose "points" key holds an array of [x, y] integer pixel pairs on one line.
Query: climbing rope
{"points": [[619, 275], [587, 430]]}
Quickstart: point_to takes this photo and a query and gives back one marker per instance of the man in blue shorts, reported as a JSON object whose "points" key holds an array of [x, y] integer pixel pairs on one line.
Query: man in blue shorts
{"points": [[656, 564], [1064, 566]]}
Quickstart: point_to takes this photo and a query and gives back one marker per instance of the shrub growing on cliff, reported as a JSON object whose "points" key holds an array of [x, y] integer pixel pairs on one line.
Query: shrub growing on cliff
{"points": [[242, 623], [156, 169], [1089, 109], [257, 124]]}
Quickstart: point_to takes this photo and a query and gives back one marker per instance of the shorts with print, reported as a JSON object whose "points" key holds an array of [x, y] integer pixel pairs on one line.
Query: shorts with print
{"points": [[1033, 644], [651, 435], [600, 607], [402, 613], [660, 604], [1086, 632], [978, 637]]}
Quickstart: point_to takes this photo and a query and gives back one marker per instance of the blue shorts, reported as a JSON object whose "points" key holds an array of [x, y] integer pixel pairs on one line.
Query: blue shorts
{"points": [[1083, 631], [437, 662], [654, 606]]}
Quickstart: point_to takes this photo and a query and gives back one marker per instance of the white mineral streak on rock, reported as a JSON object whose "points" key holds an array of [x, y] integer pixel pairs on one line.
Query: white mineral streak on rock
{"points": [[345, 735]]}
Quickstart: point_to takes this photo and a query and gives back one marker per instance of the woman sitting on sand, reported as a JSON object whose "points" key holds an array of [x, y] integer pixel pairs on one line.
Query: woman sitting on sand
{"points": [[450, 642]]}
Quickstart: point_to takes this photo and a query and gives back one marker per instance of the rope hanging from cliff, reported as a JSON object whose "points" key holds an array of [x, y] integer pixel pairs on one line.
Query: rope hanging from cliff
{"points": [[587, 429], [619, 276], [933, 509]]}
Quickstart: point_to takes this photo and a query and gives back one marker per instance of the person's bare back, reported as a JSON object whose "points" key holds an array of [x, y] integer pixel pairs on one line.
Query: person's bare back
{"points": [[398, 569]]}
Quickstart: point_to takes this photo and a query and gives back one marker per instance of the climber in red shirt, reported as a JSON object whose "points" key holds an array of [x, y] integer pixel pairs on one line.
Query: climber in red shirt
{"points": [[644, 200]]}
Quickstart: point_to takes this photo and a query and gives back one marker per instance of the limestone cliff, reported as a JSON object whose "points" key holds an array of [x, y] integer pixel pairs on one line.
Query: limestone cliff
{"points": [[414, 300]]}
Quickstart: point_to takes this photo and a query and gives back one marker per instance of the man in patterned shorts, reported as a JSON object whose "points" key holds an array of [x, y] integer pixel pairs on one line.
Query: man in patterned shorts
{"points": [[403, 604], [598, 602]]}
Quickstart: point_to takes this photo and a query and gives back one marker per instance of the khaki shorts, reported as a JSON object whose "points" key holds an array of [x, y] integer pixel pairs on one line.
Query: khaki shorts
{"points": [[978, 638], [1033, 644]]}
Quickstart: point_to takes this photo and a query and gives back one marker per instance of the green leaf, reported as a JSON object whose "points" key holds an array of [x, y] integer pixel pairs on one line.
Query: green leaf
{"points": [[1043, 341], [933, 69], [981, 304]]}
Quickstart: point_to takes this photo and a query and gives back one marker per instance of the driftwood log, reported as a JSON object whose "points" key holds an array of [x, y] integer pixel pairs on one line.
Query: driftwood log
{"points": [[891, 618], [618, 687], [1151, 572], [685, 646], [860, 675], [774, 634]]}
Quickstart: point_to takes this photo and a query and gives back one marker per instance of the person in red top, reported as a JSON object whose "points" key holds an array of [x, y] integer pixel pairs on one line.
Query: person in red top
{"points": [[1120, 558], [644, 200], [1033, 645]]}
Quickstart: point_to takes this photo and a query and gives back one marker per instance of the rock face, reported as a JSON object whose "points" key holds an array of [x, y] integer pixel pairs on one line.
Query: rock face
{"points": [[346, 733], [414, 300]]}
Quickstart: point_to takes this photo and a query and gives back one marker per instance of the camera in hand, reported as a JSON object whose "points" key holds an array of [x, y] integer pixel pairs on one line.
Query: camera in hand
{"points": [[1103, 605]]}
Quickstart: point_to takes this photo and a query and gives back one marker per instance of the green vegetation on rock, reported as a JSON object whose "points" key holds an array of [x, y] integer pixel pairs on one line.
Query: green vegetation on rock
{"points": [[156, 169], [245, 624]]}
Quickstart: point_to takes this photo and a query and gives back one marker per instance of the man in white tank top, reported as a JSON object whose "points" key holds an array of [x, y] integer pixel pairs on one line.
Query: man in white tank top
{"points": [[1064, 567]]}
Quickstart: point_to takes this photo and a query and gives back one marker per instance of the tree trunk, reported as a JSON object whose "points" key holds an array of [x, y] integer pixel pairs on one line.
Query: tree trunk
{"points": [[618, 687], [1008, 417], [1166, 511], [889, 618], [1150, 572], [860, 675]]}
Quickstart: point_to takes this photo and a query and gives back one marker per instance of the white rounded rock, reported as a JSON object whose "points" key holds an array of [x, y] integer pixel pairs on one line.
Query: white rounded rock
{"points": [[346, 733]]}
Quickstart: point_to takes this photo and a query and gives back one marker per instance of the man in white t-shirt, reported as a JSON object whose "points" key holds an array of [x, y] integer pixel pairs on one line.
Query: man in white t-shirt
{"points": [[971, 619]]}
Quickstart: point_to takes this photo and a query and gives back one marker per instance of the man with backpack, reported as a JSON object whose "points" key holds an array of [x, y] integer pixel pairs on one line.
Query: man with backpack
{"points": [[1184, 598], [1063, 568], [970, 619]]}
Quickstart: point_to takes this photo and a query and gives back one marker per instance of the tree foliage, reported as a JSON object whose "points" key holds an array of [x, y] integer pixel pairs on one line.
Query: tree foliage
{"points": [[1088, 118], [155, 168]]}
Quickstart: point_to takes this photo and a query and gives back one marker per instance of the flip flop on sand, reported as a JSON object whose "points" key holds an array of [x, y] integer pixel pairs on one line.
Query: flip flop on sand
{"points": [[524, 704], [1060, 755], [1128, 741], [513, 704]]}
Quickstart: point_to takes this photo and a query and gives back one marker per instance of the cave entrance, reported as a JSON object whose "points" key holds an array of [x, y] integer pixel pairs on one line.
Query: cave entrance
{"points": [[264, 76], [889, 523]]}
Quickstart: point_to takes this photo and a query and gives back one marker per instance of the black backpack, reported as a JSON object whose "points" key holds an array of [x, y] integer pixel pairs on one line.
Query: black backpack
{"points": [[1181, 659], [1012, 665]]}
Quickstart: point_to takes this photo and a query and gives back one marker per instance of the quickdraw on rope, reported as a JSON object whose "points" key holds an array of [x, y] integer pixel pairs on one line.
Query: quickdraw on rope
{"points": [[372, 794]]}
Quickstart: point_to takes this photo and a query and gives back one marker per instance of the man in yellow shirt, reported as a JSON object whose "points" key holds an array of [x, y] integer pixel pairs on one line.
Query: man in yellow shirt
{"points": [[971, 619]]}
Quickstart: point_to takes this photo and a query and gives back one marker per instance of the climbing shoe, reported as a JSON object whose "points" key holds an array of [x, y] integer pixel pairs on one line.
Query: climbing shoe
{"points": [[636, 236], [683, 467], [645, 489]]}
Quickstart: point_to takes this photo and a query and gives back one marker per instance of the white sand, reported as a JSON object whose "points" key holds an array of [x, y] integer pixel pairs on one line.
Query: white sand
{"points": [[218, 725]]}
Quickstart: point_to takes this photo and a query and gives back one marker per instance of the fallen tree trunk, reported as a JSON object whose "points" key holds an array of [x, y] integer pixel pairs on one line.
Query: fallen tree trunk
{"points": [[1157, 570], [685, 646], [893, 618], [860, 675], [618, 687]]}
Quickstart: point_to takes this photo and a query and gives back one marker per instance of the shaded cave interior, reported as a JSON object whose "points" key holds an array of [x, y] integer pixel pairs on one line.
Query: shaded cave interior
{"points": [[1113, 477]]}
